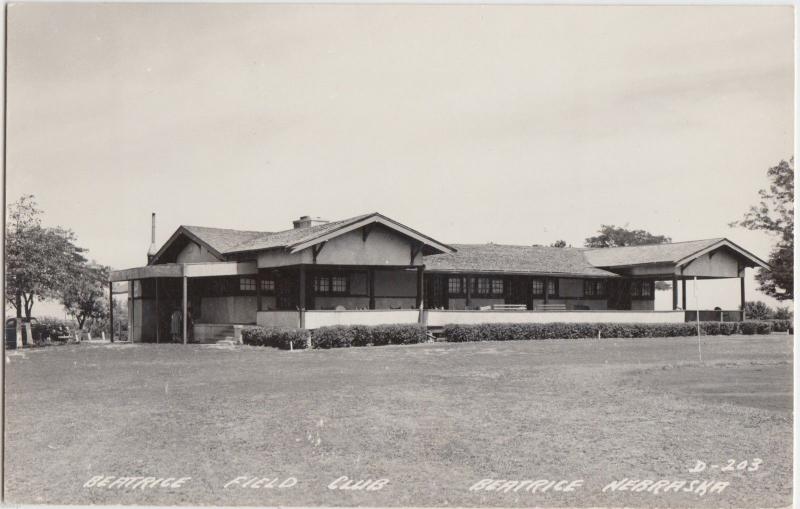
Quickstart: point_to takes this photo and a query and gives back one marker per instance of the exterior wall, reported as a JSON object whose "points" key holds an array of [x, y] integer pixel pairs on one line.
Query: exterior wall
{"points": [[475, 302], [440, 318], [230, 309], [194, 253], [141, 320], [382, 247], [718, 263], [314, 319], [643, 304], [394, 289], [592, 304], [278, 319], [662, 269], [346, 301]]}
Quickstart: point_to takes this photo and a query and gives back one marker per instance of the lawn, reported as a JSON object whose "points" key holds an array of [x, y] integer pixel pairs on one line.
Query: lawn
{"points": [[434, 420]]}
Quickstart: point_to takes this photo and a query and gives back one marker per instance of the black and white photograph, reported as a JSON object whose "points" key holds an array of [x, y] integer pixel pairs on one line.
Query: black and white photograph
{"points": [[398, 255]]}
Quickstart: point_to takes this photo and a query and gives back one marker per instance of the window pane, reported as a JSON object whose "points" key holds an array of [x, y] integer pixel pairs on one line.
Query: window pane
{"points": [[551, 287], [322, 284], [601, 287], [589, 288], [247, 284], [497, 286], [646, 289], [483, 285], [454, 285], [268, 285], [339, 284], [537, 287]]}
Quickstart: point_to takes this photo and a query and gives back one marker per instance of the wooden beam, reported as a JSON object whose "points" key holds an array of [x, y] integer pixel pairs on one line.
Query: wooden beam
{"points": [[110, 306], [469, 292], [258, 292], [546, 290], [741, 296], [316, 249], [366, 231], [416, 247], [683, 293], [420, 286], [158, 317], [371, 290], [185, 309], [674, 293], [302, 288]]}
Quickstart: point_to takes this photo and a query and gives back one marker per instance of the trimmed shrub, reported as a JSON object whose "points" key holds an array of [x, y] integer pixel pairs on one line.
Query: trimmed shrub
{"points": [[344, 336], [783, 326], [533, 331], [277, 337], [750, 327]]}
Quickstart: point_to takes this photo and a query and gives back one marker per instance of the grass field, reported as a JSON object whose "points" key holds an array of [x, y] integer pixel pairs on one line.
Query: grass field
{"points": [[433, 419]]}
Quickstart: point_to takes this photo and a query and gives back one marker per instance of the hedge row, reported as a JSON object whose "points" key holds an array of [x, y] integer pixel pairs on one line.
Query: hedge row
{"points": [[345, 336], [337, 336], [517, 331]]}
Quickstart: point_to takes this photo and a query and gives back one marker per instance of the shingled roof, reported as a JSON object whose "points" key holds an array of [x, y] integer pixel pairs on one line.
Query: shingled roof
{"points": [[507, 259], [223, 240], [650, 253]]}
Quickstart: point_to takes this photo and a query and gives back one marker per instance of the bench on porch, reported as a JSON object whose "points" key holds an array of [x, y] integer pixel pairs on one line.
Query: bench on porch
{"points": [[550, 307], [504, 307]]}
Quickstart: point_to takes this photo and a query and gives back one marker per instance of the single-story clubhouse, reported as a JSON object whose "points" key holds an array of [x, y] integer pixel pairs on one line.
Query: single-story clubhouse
{"points": [[371, 269]]}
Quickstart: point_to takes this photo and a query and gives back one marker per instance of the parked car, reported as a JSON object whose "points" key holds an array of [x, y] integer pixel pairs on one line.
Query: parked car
{"points": [[11, 332], [55, 330]]}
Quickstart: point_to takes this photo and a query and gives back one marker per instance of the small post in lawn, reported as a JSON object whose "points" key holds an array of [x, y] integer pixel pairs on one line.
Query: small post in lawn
{"points": [[697, 309]]}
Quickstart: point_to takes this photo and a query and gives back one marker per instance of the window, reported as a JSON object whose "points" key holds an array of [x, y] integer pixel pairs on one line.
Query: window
{"points": [[268, 285], [497, 287], [482, 285], [247, 284], [454, 286], [537, 287], [594, 288], [641, 288], [327, 285]]}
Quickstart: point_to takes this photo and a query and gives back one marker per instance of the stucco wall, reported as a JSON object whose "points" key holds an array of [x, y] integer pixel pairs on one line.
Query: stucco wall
{"points": [[142, 320], [721, 264], [395, 283], [643, 304], [440, 318], [382, 247], [569, 287], [278, 319], [194, 253]]}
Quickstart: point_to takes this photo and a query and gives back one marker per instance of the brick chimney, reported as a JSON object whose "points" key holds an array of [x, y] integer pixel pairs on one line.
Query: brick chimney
{"points": [[306, 221]]}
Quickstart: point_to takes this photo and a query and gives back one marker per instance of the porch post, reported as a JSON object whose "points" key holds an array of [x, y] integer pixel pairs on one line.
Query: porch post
{"points": [[674, 292], [158, 317], [185, 309], [741, 296], [258, 290], [110, 307], [683, 292], [420, 286], [302, 297], [469, 292], [371, 283]]}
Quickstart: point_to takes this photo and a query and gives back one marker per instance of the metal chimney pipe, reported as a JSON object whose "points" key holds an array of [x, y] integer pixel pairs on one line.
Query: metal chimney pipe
{"points": [[151, 253], [153, 234]]}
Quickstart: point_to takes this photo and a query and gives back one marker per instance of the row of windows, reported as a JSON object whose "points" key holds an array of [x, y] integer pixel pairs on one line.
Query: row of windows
{"points": [[641, 288], [594, 288], [495, 287]]}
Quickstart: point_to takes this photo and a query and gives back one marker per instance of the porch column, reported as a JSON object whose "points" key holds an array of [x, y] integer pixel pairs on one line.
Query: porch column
{"points": [[674, 293], [258, 290], [546, 292], [185, 309], [741, 294], [371, 287], [469, 292], [158, 317], [683, 293], [302, 297], [420, 285], [110, 307]]}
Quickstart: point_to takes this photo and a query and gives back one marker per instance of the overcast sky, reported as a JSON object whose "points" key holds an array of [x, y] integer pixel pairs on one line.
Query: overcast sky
{"points": [[510, 124]]}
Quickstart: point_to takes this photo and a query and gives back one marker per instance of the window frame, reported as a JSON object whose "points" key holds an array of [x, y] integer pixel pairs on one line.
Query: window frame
{"points": [[602, 293], [545, 282], [330, 291], [638, 289]]}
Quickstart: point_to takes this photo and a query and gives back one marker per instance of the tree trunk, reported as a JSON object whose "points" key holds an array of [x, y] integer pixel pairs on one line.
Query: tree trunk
{"points": [[18, 305], [28, 305]]}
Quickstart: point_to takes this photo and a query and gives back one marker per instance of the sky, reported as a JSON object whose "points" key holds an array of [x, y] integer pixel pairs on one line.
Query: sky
{"points": [[509, 124]]}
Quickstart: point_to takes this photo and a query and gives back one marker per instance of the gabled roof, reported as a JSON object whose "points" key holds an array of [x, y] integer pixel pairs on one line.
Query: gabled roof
{"points": [[222, 241], [298, 239], [678, 253], [505, 259]]}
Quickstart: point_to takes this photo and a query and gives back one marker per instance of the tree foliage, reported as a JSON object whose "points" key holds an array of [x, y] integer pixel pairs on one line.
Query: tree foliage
{"points": [[774, 214], [559, 243], [615, 236], [40, 261], [85, 295]]}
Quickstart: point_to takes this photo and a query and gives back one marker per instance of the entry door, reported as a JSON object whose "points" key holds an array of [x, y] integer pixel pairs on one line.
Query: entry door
{"points": [[286, 290], [619, 294], [517, 292], [435, 296]]}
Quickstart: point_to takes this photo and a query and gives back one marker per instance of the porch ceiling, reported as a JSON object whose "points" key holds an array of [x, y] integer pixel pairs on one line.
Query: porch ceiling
{"points": [[167, 270]]}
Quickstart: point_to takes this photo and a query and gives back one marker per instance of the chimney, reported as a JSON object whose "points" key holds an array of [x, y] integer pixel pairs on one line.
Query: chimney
{"points": [[306, 221], [151, 253]]}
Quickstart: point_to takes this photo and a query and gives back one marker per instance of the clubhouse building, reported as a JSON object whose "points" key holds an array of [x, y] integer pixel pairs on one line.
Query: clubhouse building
{"points": [[373, 270]]}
